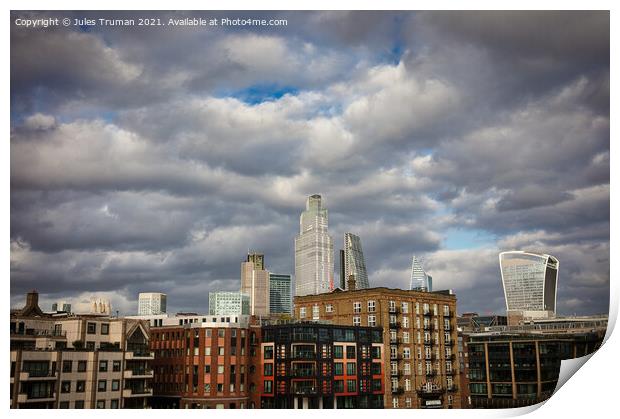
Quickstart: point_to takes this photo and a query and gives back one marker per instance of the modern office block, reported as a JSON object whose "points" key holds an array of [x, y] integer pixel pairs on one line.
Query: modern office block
{"points": [[354, 264], [530, 282], [151, 303], [228, 303], [255, 283], [314, 263], [280, 298], [420, 280]]}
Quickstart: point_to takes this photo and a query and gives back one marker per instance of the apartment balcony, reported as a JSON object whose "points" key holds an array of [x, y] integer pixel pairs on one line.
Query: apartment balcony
{"points": [[433, 391], [304, 355], [145, 373], [38, 376], [145, 392], [303, 372], [26, 398], [139, 355], [304, 390]]}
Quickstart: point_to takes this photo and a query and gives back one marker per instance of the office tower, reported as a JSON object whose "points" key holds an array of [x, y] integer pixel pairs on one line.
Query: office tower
{"points": [[420, 336], [354, 261], [255, 283], [280, 299], [150, 303], [530, 282], [420, 280], [314, 264], [61, 306], [343, 277], [228, 303], [100, 306]]}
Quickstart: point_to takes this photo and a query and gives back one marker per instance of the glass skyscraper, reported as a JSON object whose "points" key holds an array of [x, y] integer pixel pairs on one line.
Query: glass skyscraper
{"points": [[420, 280], [354, 262], [314, 260], [530, 281], [228, 303], [280, 299]]}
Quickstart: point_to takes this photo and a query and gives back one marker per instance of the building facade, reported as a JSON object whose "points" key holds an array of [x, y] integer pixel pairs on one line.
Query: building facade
{"points": [[201, 365], [420, 335], [151, 303], [530, 283], [255, 284], [228, 303], [420, 280], [80, 362], [354, 263], [280, 298], [321, 366], [314, 248]]}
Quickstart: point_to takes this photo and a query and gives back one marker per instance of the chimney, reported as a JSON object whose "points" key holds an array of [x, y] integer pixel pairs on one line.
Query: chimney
{"points": [[351, 283], [32, 299]]}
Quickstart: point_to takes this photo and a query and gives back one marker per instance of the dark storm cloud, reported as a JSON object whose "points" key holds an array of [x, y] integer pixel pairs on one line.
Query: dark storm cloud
{"points": [[153, 160]]}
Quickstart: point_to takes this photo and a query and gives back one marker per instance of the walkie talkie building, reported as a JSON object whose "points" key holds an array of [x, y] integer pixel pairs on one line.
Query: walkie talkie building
{"points": [[530, 282]]}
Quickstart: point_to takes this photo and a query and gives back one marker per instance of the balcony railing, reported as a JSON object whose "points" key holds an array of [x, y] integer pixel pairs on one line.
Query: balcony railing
{"points": [[139, 392], [138, 373], [304, 390], [304, 355], [27, 398], [38, 375], [303, 372], [140, 355], [432, 390]]}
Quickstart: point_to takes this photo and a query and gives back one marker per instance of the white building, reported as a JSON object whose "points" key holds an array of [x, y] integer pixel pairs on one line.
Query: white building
{"points": [[151, 303], [100, 306], [354, 263], [530, 282], [314, 260], [228, 303]]}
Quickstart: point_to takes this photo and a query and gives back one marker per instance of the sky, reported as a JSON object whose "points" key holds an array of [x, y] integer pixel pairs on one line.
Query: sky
{"points": [[151, 159]]}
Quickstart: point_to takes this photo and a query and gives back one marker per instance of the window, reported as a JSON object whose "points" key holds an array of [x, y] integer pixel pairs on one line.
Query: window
{"points": [[371, 306], [376, 352], [80, 386], [446, 310], [372, 320], [407, 384], [67, 366], [406, 353], [220, 387], [405, 337], [207, 388], [207, 369], [116, 366], [392, 306], [103, 366], [395, 402], [406, 322], [268, 386], [90, 345], [114, 404], [208, 351], [351, 352], [220, 350], [375, 368], [329, 308], [357, 321], [91, 328], [102, 385], [302, 312], [351, 368], [338, 352], [268, 369], [220, 369], [357, 307], [315, 312], [79, 404], [116, 385], [404, 307], [351, 384], [393, 352], [417, 308], [338, 386], [434, 309], [63, 405], [338, 368], [105, 328], [407, 369], [100, 404], [65, 387], [221, 333], [268, 352]]}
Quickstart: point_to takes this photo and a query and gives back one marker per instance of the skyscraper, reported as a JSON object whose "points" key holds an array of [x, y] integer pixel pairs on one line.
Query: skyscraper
{"points": [[255, 283], [151, 303], [354, 261], [420, 280], [280, 299], [314, 260], [530, 282]]}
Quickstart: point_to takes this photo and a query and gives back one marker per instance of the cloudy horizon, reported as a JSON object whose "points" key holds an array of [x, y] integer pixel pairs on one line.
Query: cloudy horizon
{"points": [[153, 159]]}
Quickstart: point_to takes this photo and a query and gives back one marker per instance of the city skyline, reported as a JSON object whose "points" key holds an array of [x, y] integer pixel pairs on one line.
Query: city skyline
{"points": [[444, 134]]}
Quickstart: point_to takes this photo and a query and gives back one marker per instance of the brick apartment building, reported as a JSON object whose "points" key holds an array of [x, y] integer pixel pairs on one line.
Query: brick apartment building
{"points": [[419, 333], [321, 366]]}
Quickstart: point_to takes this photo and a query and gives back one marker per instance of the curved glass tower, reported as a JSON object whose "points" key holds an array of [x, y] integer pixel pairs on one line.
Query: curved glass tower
{"points": [[314, 261], [420, 280], [530, 281], [354, 261]]}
